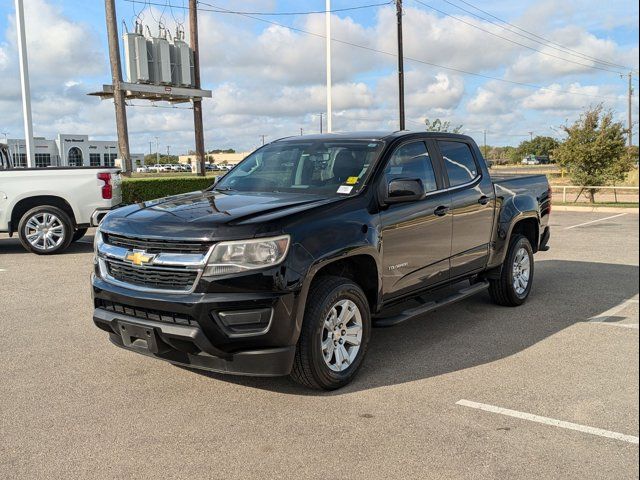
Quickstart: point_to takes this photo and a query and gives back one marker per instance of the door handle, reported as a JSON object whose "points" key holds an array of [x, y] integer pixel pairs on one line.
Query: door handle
{"points": [[483, 200], [441, 211]]}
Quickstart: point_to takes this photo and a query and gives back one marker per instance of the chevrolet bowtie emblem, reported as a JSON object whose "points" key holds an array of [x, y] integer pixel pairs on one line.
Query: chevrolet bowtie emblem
{"points": [[139, 257]]}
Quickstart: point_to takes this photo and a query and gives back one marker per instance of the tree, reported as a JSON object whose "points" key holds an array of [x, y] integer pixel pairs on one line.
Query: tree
{"points": [[439, 126], [594, 152], [539, 146]]}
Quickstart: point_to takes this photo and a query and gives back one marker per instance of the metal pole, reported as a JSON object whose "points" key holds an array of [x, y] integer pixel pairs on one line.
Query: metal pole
{"points": [[197, 102], [116, 77], [157, 151], [24, 80], [300, 132], [400, 64], [321, 123], [630, 107], [328, 53], [485, 143]]}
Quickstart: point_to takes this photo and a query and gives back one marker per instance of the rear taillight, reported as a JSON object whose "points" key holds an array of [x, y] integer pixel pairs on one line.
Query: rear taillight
{"points": [[107, 189]]}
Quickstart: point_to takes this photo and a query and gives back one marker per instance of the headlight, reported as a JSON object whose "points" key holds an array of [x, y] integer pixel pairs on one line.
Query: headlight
{"points": [[97, 241], [243, 255]]}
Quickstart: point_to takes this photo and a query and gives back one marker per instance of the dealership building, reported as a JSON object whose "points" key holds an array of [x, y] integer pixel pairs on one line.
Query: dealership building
{"points": [[67, 151]]}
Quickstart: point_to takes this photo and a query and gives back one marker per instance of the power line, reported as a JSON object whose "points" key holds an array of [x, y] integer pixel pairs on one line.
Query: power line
{"points": [[617, 72], [453, 69], [215, 9], [391, 54], [542, 40]]}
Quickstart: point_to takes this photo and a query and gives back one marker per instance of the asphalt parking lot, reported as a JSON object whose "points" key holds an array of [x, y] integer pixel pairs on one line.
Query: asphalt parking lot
{"points": [[548, 390]]}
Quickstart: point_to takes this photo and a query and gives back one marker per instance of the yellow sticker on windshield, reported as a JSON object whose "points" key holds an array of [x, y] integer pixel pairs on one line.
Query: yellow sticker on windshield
{"points": [[352, 180]]}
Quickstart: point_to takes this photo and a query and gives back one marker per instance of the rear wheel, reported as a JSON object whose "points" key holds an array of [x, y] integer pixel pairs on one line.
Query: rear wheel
{"points": [[78, 234], [513, 286], [335, 334], [45, 230]]}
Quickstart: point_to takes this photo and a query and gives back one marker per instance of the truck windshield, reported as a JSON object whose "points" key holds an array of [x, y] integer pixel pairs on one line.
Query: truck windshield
{"points": [[326, 168]]}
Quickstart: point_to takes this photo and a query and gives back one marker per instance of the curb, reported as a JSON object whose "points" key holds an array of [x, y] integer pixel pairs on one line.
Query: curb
{"points": [[572, 208]]}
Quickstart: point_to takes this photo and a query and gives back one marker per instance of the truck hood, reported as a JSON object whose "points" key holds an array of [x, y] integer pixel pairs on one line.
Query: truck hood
{"points": [[208, 215]]}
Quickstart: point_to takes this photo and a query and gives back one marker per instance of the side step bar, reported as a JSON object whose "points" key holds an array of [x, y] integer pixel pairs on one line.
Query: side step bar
{"points": [[430, 306]]}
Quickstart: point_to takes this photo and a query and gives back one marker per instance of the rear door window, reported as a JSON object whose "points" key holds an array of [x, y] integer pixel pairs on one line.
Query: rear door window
{"points": [[459, 162]]}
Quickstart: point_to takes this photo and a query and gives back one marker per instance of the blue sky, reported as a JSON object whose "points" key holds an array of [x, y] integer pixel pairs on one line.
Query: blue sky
{"points": [[269, 80]]}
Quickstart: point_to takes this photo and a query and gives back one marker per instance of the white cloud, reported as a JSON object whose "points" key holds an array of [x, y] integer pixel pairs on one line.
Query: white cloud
{"points": [[554, 97]]}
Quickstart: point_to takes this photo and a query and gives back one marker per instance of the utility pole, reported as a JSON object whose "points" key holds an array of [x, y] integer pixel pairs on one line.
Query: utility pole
{"points": [[400, 64], [321, 114], [150, 151], [157, 151], [168, 149], [328, 45], [24, 81], [300, 132], [531, 136], [263, 137], [197, 102], [116, 77]]}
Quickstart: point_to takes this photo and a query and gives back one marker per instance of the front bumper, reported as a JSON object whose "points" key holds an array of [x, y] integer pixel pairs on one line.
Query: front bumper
{"points": [[187, 330]]}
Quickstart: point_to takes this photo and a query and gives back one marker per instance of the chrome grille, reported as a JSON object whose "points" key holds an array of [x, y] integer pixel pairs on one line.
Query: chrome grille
{"points": [[155, 246], [157, 278]]}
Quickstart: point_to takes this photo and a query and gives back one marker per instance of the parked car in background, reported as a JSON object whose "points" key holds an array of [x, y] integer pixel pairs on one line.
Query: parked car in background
{"points": [[51, 207], [530, 160], [209, 167], [536, 160], [285, 264], [143, 169]]}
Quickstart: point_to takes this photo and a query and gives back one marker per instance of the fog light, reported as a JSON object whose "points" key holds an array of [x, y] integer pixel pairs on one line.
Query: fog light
{"points": [[245, 322]]}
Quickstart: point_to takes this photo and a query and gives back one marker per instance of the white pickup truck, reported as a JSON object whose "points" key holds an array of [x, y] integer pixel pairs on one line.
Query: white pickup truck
{"points": [[51, 207]]}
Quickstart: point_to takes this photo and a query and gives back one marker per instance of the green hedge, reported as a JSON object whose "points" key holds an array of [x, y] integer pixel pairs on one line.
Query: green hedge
{"points": [[141, 189]]}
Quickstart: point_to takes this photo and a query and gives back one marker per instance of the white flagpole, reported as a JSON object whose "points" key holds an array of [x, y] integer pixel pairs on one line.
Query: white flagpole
{"points": [[24, 80], [328, 43]]}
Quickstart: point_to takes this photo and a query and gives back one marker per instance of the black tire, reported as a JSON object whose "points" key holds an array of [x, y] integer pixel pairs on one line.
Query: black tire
{"points": [[66, 230], [502, 289], [78, 234], [309, 367]]}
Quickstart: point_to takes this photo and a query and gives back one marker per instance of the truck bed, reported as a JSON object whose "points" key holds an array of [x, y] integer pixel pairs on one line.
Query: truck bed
{"points": [[518, 184]]}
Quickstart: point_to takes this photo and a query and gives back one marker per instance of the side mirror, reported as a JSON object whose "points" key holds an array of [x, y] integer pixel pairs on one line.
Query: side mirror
{"points": [[404, 190]]}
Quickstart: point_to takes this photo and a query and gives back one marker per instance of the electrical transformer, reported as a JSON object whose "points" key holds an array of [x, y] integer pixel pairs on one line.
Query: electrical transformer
{"points": [[161, 60], [135, 54], [181, 63]]}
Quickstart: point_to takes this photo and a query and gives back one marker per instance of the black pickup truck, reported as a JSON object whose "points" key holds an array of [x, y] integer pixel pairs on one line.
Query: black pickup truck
{"points": [[285, 264]]}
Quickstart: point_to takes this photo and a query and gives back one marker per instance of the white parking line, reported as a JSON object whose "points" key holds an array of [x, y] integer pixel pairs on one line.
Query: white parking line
{"points": [[550, 421], [594, 221], [604, 317], [632, 326]]}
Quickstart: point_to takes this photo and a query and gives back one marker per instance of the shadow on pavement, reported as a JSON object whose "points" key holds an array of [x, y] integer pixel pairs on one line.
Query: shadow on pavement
{"points": [[475, 332], [12, 246]]}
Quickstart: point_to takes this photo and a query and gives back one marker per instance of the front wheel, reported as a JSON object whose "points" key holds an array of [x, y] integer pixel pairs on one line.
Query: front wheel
{"points": [[335, 334], [513, 286], [45, 230]]}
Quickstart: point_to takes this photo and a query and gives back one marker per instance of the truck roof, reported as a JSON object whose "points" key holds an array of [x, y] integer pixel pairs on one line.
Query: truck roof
{"points": [[372, 135]]}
